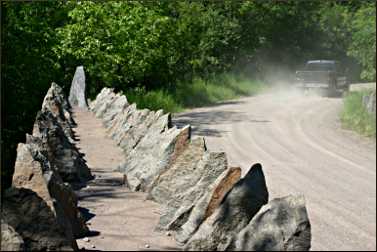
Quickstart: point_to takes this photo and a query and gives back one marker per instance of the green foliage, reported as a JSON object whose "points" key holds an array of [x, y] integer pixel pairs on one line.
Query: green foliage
{"points": [[195, 93], [154, 100], [350, 30], [128, 44], [215, 89], [354, 115], [120, 43], [363, 42], [28, 67], [169, 54]]}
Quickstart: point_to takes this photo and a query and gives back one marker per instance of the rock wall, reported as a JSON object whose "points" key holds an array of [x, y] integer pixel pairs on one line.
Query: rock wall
{"points": [[41, 206], [206, 204]]}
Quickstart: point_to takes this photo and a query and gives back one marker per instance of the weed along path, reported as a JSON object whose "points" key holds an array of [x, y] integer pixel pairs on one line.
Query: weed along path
{"points": [[118, 218]]}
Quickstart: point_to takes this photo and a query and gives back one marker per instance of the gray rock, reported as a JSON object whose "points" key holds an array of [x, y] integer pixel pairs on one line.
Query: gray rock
{"points": [[153, 154], [61, 152], [33, 220], [120, 123], [138, 124], [10, 239], [281, 225], [116, 108], [208, 203], [106, 104], [33, 171], [236, 210], [369, 102], [55, 103], [178, 208], [77, 91], [94, 106], [180, 176]]}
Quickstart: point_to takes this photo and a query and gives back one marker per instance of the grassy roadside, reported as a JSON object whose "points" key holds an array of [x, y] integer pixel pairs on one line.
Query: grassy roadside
{"points": [[355, 117], [197, 93]]}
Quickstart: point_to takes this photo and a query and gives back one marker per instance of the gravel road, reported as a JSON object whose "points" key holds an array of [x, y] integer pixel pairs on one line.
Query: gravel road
{"points": [[303, 149]]}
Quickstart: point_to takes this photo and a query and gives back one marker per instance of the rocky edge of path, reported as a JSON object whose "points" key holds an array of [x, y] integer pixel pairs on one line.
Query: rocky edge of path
{"points": [[207, 204]]}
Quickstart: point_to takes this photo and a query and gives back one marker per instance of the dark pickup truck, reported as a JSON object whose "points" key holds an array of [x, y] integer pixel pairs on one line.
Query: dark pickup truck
{"points": [[322, 74]]}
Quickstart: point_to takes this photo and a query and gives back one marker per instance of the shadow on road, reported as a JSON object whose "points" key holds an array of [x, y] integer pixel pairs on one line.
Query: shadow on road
{"points": [[204, 123]]}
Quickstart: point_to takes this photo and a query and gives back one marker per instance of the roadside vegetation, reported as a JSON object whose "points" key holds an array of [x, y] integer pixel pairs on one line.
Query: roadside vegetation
{"points": [[199, 92], [169, 54], [355, 116]]}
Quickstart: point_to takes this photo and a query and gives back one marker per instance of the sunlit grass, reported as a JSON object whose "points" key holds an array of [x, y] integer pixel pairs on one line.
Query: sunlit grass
{"points": [[154, 100], [354, 115], [199, 92]]}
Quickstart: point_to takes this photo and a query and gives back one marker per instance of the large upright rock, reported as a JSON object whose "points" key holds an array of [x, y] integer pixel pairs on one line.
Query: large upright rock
{"points": [[106, 103], [139, 123], [33, 220], [100, 99], [236, 210], [77, 92], [207, 204], [33, 171], [154, 153], [55, 103], [116, 108], [121, 124], [281, 225], [180, 177], [177, 209], [61, 152]]}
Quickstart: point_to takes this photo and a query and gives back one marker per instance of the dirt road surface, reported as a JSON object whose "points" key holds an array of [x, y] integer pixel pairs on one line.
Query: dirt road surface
{"points": [[299, 141], [119, 219]]}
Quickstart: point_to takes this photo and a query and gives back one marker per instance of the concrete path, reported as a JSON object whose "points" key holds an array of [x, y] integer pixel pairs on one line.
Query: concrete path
{"points": [[119, 219]]}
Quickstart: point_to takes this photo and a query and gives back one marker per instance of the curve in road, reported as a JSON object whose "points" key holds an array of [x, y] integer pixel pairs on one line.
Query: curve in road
{"points": [[300, 142]]}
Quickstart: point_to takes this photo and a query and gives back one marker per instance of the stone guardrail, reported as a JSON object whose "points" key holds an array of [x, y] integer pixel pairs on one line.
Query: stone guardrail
{"points": [[39, 211], [207, 205]]}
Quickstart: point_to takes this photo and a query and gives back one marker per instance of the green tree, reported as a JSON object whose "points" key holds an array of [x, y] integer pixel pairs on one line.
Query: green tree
{"points": [[28, 67], [363, 40]]}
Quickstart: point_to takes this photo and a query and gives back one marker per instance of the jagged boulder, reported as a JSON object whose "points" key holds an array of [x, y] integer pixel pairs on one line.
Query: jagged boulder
{"points": [[33, 220], [56, 103], [61, 152], [106, 103], [10, 239], [100, 99], [239, 206], [154, 153], [115, 109], [120, 123], [177, 209], [180, 177], [34, 171], [139, 127], [281, 225], [77, 91], [208, 203]]}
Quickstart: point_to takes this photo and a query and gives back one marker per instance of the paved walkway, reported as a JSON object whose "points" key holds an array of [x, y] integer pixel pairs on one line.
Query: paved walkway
{"points": [[118, 218]]}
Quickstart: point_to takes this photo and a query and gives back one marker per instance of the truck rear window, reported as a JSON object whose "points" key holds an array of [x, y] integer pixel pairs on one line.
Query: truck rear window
{"points": [[320, 67]]}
